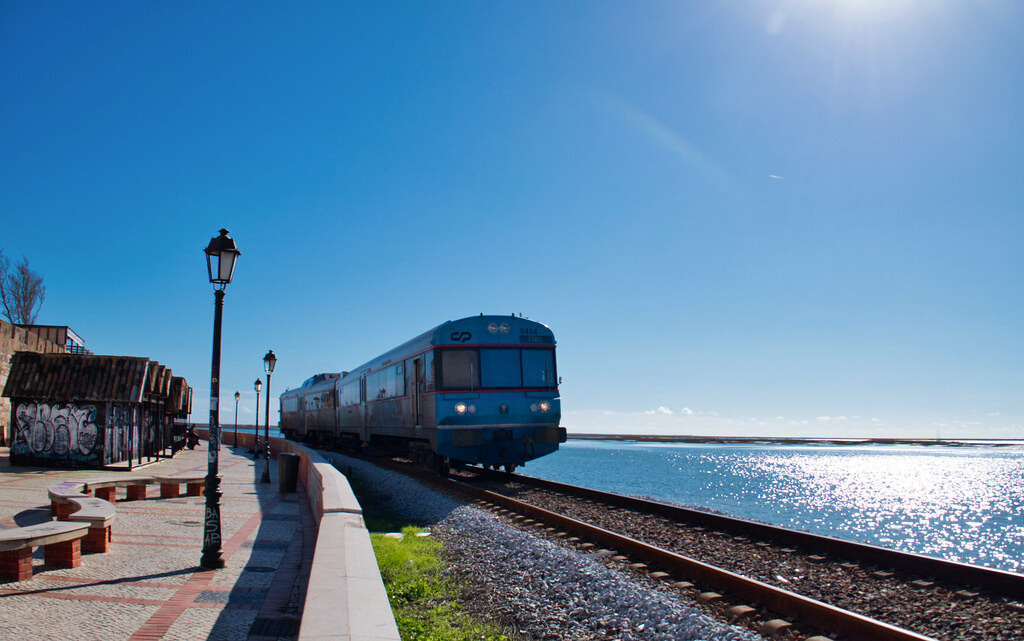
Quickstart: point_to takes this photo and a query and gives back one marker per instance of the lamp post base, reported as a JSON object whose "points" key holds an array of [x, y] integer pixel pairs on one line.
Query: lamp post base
{"points": [[212, 561], [212, 558]]}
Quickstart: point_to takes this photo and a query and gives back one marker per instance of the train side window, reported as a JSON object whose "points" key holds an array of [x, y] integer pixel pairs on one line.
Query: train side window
{"points": [[428, 372], [374, 391], [350, 393], [500, 368], [538, 368], [460, 369], [399, 379]]}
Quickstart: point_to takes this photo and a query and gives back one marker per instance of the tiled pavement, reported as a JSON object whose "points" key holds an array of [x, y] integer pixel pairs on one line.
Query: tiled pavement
{"points": [[149, 585]]}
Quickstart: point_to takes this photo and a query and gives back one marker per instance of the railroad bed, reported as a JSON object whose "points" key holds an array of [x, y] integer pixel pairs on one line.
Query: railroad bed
{"points": [[983, 605], [537, 580], [537, 588]]}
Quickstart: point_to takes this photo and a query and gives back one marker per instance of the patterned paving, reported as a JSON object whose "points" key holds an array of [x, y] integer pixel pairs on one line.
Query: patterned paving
{"points": [[149, 585]]}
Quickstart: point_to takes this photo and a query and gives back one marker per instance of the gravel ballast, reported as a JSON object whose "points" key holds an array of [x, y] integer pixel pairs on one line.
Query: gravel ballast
{"points": [[537, 588]]}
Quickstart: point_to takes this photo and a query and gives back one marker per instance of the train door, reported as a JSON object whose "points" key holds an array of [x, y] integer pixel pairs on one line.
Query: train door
{"points": [[417, 388]]}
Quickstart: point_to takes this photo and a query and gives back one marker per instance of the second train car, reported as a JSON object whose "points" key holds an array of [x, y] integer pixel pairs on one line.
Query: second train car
{"points": [[479, 390]]}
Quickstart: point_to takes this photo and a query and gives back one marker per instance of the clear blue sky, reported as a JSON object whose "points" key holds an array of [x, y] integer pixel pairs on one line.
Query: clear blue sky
{"points": [[768, 217]]}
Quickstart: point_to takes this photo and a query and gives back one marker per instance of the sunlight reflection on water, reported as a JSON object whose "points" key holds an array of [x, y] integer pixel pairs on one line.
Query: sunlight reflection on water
{"points": [[963, 504]]}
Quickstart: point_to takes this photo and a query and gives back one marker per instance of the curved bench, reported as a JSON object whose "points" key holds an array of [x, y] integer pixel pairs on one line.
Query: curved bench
{"points": [[170, 486], [99, 516], [106, 487], [83, 522], [61, 541], [61, 495]]}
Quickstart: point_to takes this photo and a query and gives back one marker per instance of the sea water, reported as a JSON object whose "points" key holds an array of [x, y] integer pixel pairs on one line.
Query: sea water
{"points": [[962, 503]]}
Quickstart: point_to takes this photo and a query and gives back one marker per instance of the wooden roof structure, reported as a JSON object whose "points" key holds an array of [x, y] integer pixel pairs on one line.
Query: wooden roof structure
{"points": [[94, 378]]}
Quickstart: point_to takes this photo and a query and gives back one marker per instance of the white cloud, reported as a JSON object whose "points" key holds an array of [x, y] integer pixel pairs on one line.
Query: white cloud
{"points": [[825, 419], [687, 411], [664, 411]]}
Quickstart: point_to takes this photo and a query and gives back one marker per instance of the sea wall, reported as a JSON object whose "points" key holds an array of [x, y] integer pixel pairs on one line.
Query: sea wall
{"points": [[345, 599]]}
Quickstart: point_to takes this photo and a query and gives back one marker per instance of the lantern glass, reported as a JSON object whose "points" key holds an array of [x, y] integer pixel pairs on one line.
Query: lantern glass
{"points": [[221, 257], [258, 385], [269, 361]]}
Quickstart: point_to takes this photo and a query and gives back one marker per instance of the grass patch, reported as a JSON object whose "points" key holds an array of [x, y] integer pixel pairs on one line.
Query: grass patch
{"points": [[424, 601], [375, 517]]}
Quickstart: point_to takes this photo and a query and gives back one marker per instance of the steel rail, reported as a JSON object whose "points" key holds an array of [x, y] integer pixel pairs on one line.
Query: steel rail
{"points": [[1000, 581], [851, 625]]}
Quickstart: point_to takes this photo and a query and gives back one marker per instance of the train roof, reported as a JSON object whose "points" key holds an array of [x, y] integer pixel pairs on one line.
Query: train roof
{"points": [[469, 331], [315, 380], [472, 330]]}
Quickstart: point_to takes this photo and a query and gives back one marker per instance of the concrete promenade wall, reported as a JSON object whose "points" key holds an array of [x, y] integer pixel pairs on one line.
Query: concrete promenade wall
{"points": [[345, 600]]}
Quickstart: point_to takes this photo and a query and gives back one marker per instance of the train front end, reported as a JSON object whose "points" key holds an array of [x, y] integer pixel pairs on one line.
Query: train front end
{"points": [[496, 399]]}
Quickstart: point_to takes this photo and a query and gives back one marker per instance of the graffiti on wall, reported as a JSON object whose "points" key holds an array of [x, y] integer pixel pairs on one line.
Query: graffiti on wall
{"points": [[55, 430]]}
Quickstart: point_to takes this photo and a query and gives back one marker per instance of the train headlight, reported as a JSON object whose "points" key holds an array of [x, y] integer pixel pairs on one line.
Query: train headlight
{"points": [[493, 328], [544, 406], [472, 409], [460, 408]]}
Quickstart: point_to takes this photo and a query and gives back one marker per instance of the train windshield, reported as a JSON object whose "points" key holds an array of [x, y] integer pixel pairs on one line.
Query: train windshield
{"points": [[496, 368]]}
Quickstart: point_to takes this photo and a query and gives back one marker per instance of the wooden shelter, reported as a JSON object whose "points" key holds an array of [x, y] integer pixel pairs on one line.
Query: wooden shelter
{"points": [[93, 411]]}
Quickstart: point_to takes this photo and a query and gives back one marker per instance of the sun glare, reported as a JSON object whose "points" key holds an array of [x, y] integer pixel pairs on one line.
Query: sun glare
{"points": [[849, 19], [869, 10]]}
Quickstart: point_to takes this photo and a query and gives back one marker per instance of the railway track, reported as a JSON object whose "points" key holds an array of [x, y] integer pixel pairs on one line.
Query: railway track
{"points": [[930, 598], [1008, 584]]}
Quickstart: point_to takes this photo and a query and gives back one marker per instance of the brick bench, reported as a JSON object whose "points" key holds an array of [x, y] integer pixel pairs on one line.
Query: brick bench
{"points": [[106, 487], [99, 515], [170, 486], [61, 495], [61, 541]]}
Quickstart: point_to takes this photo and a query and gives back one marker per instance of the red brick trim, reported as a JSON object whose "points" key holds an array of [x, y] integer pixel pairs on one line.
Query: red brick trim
{"points": [[16, 565], [169, 490], [67, 554]]}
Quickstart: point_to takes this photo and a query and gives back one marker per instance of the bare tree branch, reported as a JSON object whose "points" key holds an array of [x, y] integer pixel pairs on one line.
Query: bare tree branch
{"points": [[21, 291]]}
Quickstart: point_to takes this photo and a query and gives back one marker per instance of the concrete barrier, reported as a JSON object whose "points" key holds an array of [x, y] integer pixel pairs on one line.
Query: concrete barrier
{"points": [[345, 599]]}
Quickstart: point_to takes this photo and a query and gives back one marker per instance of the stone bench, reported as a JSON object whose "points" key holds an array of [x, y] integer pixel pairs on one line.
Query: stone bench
{"points": [[170, 486], [99, 515], [61, 495], [61, 541], [106, 487]]}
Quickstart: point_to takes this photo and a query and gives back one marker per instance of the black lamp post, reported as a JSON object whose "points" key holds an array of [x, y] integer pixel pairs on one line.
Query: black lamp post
{"points": [[237, 396], [258, 385], [221, 255], [269, 361]]}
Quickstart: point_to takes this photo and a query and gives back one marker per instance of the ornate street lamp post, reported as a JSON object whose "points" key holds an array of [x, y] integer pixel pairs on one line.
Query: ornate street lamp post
{"points": [[269, 361], [258, 385], [221, 255], [237, 396]]}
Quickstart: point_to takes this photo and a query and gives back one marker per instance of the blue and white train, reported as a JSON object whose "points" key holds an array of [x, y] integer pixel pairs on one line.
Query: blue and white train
{"points": [[480, 390]]}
